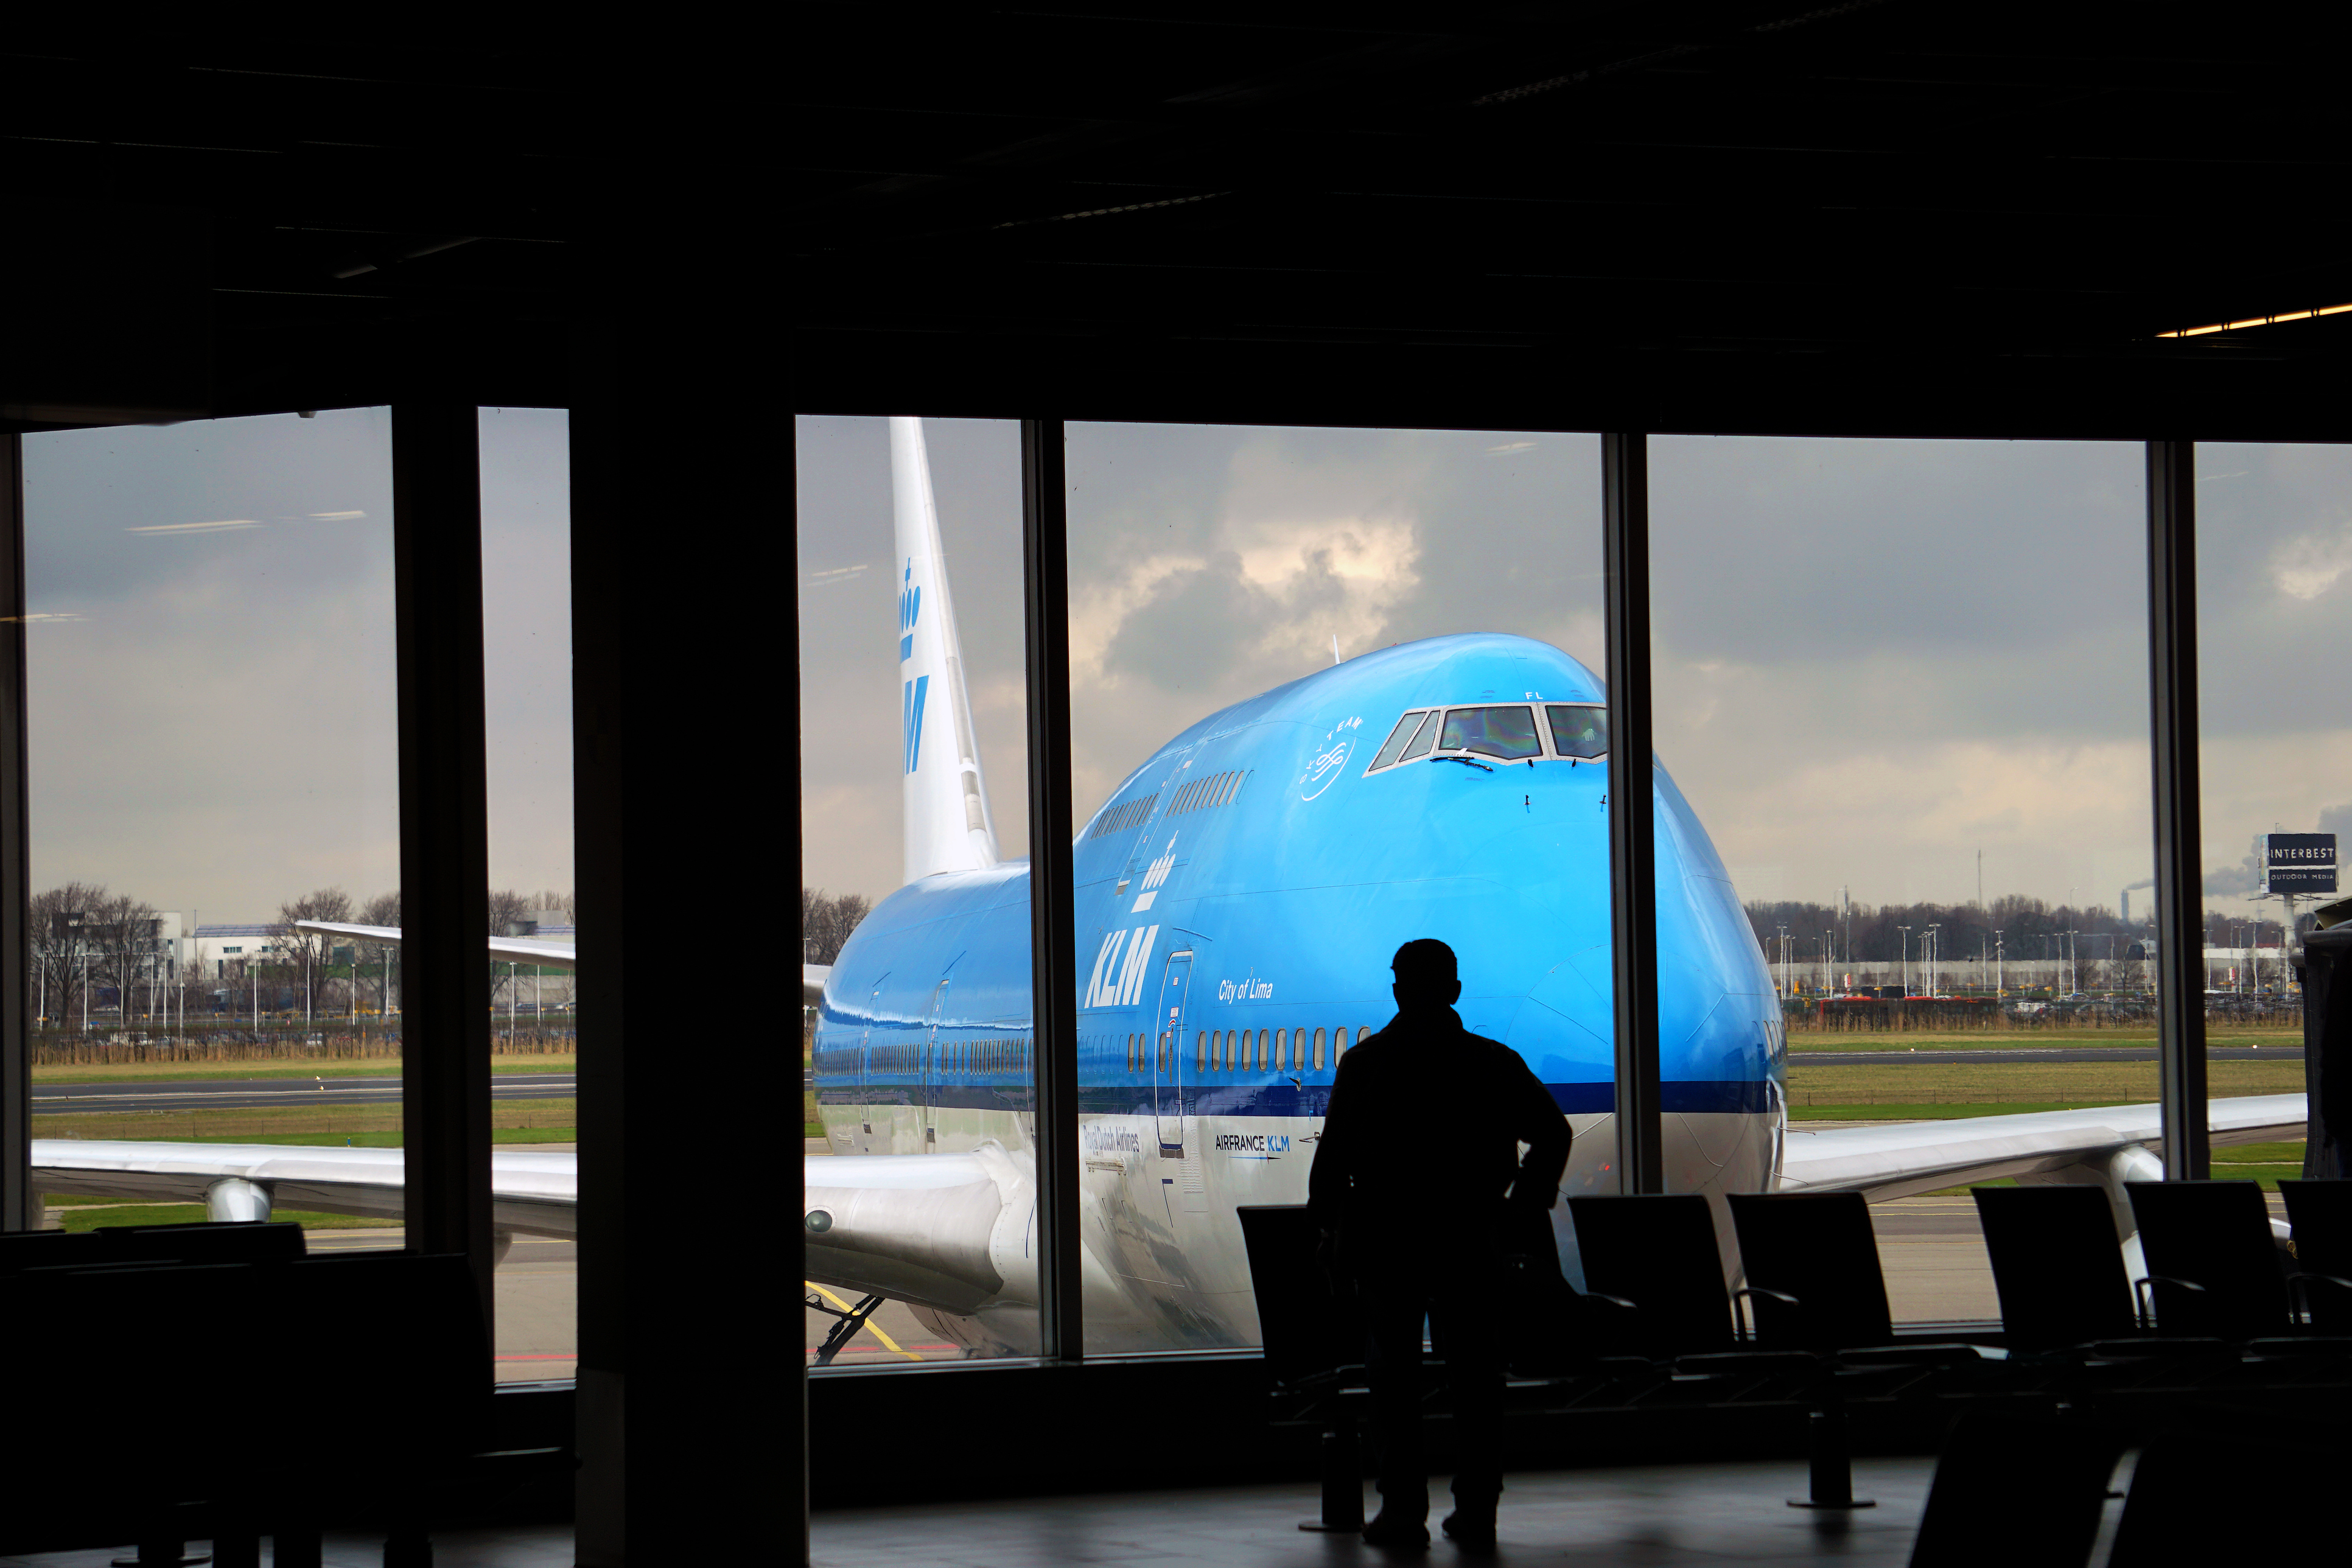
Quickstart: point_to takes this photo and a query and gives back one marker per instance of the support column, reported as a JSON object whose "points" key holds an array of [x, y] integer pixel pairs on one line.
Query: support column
{"points": [[445, 877], [20, 1207], [685, 669], [1053, 973], [2179, 854], [1632, 846]]}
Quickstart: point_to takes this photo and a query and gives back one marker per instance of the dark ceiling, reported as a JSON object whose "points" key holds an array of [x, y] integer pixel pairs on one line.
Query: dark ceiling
{"points": [[1878, 215], [1881, 213]]}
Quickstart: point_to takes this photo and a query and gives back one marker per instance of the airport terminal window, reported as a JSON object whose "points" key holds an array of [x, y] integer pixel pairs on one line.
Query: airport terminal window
{"points": [[1505, 733], [1406, 729], [1578, 731]]}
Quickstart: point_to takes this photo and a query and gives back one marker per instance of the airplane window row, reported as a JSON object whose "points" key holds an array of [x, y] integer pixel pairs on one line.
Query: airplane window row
{"points": [[1201, 794], [946, 1057], [1506, 731], [1119, 818], [1242, 1051]]}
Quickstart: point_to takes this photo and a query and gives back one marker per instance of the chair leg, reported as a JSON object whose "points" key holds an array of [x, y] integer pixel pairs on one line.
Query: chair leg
{"points": [[1343, 1482], [1832, 1463]]}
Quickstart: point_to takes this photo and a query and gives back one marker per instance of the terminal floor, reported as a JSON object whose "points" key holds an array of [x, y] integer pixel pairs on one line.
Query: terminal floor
{"points": [[536, 1546], [1661, 1515]]}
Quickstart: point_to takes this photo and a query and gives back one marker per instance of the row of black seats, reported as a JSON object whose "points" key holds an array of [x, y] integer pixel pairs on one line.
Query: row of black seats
{"points": [[215, 1382], [1655, 1273]]}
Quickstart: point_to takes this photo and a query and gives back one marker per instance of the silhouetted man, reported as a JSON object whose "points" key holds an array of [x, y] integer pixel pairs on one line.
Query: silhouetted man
{"points": [[1414, 1180]]}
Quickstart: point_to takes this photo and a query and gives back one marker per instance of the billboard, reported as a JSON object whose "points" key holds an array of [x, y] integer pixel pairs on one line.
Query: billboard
{"points": [[2297, 862]]}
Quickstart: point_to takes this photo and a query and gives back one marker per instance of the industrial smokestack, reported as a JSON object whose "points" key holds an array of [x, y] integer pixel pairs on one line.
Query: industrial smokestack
{"points": [[2127, 893]]}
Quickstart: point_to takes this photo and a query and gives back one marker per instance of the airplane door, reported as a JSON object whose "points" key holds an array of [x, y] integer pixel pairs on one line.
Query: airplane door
{"points": [[1167, 1053], [927, 1089]]}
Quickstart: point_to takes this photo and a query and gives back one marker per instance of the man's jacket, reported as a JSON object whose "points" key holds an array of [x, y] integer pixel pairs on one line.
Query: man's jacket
{"points": [[1422, 1140]]}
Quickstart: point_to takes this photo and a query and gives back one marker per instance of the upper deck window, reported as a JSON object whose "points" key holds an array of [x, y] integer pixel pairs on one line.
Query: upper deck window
{"points": [[1578, 731], [1505, 733]]}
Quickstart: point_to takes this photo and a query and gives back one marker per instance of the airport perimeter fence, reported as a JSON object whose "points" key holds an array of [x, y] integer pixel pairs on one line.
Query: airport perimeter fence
{"points": [[292, 1043]]}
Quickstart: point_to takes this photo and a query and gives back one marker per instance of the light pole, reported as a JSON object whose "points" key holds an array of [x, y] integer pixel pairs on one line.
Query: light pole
{"points": [[1928, 944], [1906, 959], [1784, 959], [1999, 985]]}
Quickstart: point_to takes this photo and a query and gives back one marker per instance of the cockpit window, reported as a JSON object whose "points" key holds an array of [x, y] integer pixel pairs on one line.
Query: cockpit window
{"points": [[1407, 727], [1505, 733], [1422, 742], [1578, 731]]}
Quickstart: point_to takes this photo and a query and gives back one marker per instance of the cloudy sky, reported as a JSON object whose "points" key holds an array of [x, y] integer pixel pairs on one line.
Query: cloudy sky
{"points": [[212, 699], [1873, 659]]}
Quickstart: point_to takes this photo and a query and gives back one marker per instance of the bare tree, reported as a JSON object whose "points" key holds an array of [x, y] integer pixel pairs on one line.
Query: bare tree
{"points": [[309, 950], [826, 923], [61, 947], [121, 938]]}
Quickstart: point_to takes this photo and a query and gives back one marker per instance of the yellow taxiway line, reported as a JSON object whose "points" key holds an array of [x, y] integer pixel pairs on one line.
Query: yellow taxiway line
{"points": [[887, 1343]]}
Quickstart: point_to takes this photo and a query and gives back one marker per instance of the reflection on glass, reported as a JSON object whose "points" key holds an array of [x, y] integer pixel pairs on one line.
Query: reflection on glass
{"points": [[1505, 733], [1578, 731], [919, 1236], [527, 689], [211, 714]]}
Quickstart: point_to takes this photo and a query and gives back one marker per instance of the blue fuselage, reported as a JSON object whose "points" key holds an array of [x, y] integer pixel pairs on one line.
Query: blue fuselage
{"points": [[1238, 899]]}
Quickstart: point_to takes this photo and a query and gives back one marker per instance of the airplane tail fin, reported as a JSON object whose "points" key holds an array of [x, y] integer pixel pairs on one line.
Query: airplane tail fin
{"points": [[948, 826]]}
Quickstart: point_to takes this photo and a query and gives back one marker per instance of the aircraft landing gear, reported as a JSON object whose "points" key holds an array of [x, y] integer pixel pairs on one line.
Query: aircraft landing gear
{"points": [[846, 1329]]}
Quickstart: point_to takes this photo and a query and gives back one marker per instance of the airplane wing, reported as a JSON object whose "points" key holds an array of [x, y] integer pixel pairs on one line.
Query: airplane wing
{"points": [[955, 1231], [532, 1193], [1883, 1162], [513, 949]]}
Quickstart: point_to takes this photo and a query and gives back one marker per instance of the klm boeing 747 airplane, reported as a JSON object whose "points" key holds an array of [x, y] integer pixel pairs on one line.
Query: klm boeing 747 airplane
{"points": [[1237, 899]]}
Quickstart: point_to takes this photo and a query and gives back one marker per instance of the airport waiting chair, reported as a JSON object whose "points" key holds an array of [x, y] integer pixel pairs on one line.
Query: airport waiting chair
{"points": [[2022, 1493], [2213, 1268], [1812, 1261], [2057, 1264], [1314, 1341], [1310, 1332], [2321, 1214], [203, 1241], [1654, 1275]]}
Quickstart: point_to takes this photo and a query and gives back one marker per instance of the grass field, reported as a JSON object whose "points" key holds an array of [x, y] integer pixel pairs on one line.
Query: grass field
{"points": [[2054, 1039], [365, 1125], [351, 1067], [1831, 1091]]}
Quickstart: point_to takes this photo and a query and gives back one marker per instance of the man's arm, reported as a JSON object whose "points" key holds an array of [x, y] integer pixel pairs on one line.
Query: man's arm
{"points": [[1327, 1178], [1535, 1120]]}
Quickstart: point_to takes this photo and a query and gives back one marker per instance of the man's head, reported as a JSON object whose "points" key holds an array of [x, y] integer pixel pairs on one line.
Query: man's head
{"points": [[1425, 975]]}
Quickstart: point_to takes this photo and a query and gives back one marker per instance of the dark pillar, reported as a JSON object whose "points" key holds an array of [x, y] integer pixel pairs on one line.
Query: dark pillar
{"points": [[2179, 859], [444, 879], [1632, 848], [19, 1204], [684, 675], [1046, 560]]}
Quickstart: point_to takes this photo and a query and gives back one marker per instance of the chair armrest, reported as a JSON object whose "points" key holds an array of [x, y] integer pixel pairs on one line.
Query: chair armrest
{"points": [[2143, 1295], [2298, 1288], [1739, 1304]]}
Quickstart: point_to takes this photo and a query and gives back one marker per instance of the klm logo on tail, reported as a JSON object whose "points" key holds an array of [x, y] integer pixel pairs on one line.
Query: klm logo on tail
{"points": [[911, 719], [910, 605]]}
